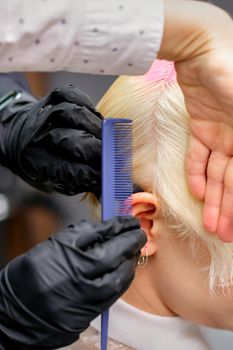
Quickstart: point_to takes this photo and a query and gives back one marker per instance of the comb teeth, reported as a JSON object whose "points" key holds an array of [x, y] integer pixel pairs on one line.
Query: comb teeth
{"points": [[117, 167], [117, 186], [123, 187]]}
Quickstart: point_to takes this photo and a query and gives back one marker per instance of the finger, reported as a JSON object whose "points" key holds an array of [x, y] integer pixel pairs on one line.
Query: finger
{"points": [[72, 144], [64, 175], [84, 235], [109, 230], [77, 117], [106, 257], [197, 158], [225, 225], [217, 165], [71, 94], [71, 179], [116, 226], [108, 288], [67, 177]]}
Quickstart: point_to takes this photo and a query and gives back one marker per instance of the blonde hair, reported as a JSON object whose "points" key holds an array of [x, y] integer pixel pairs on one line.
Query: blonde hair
{"points": [[160, 136]]}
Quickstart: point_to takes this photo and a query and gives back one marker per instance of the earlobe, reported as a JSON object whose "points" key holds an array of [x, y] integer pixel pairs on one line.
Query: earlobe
{"points": [[146, 209]]}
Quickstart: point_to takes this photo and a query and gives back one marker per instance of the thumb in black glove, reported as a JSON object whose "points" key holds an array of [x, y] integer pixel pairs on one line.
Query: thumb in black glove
{"points": [[53, 144], [50, 295]]}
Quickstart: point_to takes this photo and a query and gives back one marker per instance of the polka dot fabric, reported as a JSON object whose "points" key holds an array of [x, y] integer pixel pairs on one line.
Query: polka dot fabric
{"points": [[99, 37]]}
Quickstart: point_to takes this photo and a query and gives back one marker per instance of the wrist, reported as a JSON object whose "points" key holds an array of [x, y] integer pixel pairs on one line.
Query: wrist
{"points": [[192, 29]]}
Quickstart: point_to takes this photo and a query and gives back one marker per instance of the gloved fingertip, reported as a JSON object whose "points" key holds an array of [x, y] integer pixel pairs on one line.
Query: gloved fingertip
{"points": [[128, 221]]}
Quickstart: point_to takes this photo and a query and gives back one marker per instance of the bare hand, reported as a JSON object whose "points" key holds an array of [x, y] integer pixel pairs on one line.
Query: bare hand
{"points": [[198, 37], [207, 83]]}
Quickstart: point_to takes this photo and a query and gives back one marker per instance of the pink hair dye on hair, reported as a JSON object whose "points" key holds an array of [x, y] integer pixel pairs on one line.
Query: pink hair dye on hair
{"points": [[161, 70]]}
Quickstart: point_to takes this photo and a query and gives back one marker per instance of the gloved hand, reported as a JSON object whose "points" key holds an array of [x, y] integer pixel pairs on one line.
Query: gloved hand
{"points": [[49, 295], [53, 144]]}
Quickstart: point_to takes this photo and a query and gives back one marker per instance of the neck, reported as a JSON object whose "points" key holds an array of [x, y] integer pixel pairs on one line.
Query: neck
{"points": [[144, 292]]}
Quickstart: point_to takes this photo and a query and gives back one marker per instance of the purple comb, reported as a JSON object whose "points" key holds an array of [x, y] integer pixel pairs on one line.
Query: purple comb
{"points": [[117, 184]]}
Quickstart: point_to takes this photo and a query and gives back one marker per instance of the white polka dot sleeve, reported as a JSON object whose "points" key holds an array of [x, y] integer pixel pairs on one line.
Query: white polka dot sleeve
{"points": [[100, 37]]}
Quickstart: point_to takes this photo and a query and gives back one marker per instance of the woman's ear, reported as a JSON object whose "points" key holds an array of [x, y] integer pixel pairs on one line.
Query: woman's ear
{"points": [[146, 209]]}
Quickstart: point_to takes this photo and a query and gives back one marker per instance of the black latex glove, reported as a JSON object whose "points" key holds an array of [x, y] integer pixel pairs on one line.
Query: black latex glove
{"points": [[53, 144], [50, 295]]}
